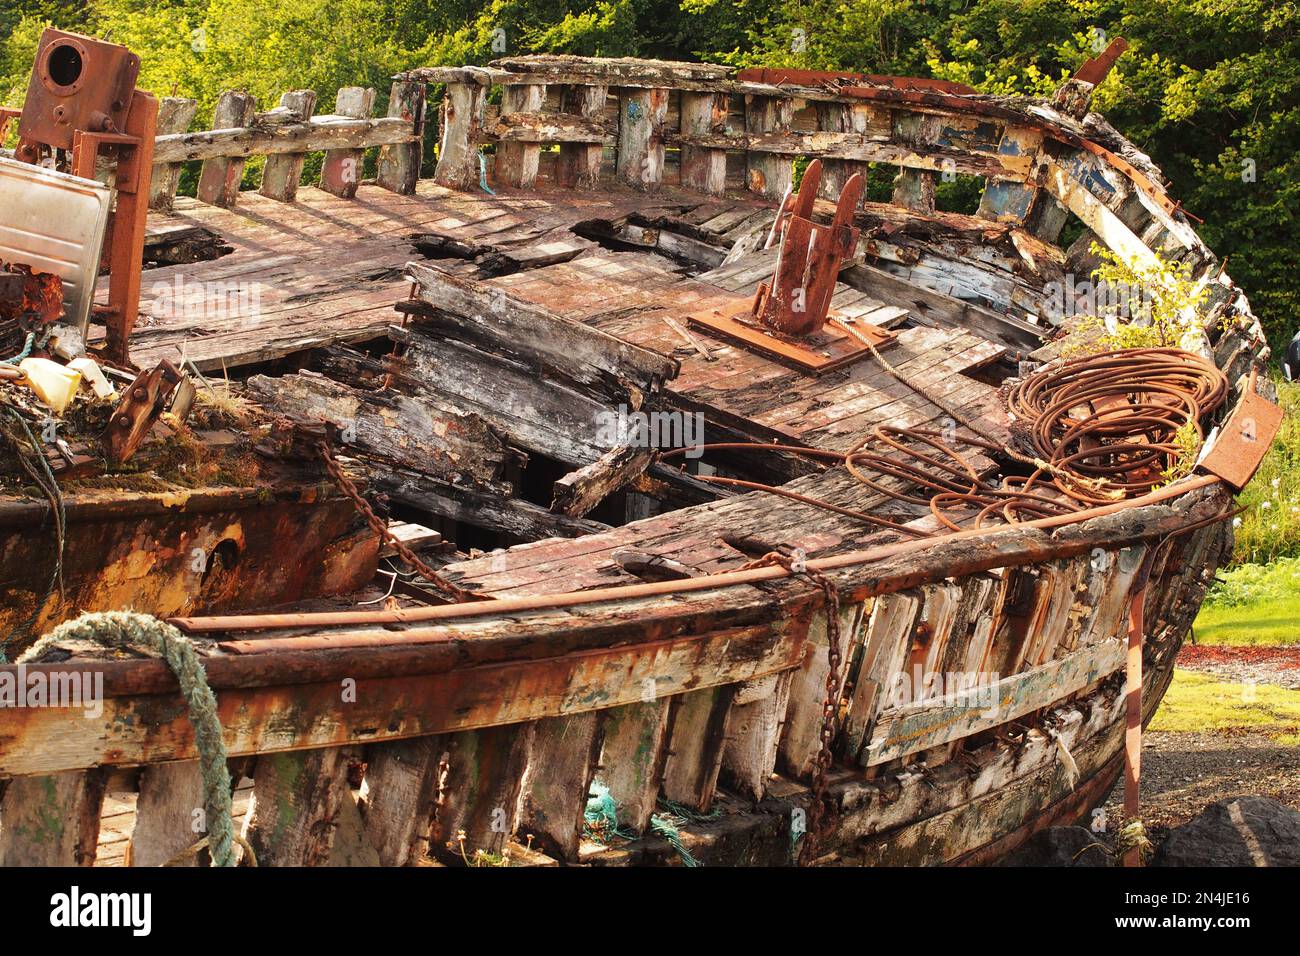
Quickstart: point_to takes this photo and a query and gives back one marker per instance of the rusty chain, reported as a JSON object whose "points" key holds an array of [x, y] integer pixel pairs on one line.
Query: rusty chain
{"points": [[409, 557], [830, 701]]}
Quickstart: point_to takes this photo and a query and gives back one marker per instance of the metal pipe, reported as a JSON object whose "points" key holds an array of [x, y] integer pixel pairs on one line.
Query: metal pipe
{"points": [[541, 602]]}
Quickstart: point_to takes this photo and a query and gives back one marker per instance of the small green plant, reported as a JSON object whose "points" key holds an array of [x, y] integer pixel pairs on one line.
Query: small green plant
{"points": [[1147, 306], [1187, 441]]}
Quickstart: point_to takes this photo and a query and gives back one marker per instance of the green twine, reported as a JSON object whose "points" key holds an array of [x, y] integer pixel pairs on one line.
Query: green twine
{"points": [[601, 822], [44, 476], [27, 350], [131, 631]]}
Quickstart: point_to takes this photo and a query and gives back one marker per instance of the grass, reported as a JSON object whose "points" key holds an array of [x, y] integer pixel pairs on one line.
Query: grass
{"points": [[1270, 526], [1253, 604], [1199, 703]]}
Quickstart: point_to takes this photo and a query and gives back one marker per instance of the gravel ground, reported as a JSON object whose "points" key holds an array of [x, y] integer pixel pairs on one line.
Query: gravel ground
{"points": [[1182, 773], [1263, 665]]}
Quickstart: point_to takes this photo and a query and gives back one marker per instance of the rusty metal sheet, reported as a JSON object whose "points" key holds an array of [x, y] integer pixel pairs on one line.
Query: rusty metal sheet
{"points": [[1243, 441]]}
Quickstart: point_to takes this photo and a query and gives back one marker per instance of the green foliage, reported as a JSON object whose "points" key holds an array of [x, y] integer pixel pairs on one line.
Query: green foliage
{"points": [[1153, 305], [1253, 604], [1210, 88], [1270, 525]]}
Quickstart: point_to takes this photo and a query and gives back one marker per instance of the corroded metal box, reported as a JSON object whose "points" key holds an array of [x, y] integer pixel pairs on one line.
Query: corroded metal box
{"points": [[77, 83]]}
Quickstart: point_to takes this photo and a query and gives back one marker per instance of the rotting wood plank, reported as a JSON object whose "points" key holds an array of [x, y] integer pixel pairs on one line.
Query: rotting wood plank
{"points": [[757, 719], [905, 730], [402, 785], [417, 433], [295, 805], [578, 492], [580, 163], [399, 163], [640, 160], [696, 744], [461, 129], [51, 820]]}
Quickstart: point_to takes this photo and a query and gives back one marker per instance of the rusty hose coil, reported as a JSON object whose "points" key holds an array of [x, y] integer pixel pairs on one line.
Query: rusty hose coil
{"points": [[1113, 419]]}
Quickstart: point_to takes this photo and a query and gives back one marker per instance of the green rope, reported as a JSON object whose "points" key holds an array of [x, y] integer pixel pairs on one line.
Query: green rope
{"points": [[127, 630], [27, 350], [601, 822]]}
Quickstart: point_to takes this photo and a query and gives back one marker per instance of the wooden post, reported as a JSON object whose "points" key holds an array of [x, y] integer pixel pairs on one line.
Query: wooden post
{"points": [[517, 162], [283, 170], [51, 821], [632, 759], [296, 803], [700, 720], [842, 118], [555, 787], [914, 188], [757, 718], [165, 817], [220, 176], [462, 127], [401, 797], [341, 173], [640, 137], [769, 174], [580, 162], [703, 167], [174, 116], [399, 163], [480, 795]]}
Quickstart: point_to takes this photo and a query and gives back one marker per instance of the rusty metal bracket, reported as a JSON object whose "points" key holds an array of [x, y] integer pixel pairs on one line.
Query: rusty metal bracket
{"points": [[788, 316], [138, 410], [1244, 439]]}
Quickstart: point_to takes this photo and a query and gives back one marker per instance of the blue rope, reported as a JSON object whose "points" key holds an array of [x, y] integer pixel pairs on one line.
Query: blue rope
{"points": [[482, 174]]}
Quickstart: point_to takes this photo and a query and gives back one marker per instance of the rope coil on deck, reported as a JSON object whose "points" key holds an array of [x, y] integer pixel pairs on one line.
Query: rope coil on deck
{"points": [[139, 632]]}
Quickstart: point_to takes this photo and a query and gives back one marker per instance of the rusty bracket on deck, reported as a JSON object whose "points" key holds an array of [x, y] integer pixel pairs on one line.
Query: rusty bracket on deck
{"points": [[139, 409], [1244, 439], [788, 317]]}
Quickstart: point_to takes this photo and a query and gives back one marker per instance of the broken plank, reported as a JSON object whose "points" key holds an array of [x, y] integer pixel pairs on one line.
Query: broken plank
{"points": [[578, 492]]}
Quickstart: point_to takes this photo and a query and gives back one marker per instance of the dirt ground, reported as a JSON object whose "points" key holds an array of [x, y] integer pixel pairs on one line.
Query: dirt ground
{"points": [[1184, 772]]}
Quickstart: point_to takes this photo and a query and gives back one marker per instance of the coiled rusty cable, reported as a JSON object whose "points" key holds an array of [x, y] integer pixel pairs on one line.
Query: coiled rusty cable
{"points": [[1103, 427], [1115, 418]]}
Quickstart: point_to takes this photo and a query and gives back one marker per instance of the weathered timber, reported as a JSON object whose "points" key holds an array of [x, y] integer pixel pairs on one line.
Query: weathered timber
{"points": [[801, 736], [221, 173], [283, 171], [516, 163], [401, 797], [174, 116], [322, 132], [296, 801], [633, 755], [769, 174], [640, 161], [493, 318], [170, 816], [478, 807], [516, 517], [903, 730], [341, 171], [703, 168], [578, 492], [51, 820], [580, 161], [416, 433], [554, 791], [754, 730], [399, 163], [462, 128], [696, 743]]}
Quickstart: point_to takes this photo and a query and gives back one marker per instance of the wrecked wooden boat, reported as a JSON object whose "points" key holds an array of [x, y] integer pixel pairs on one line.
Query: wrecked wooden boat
{"points": [[661, 511]]}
